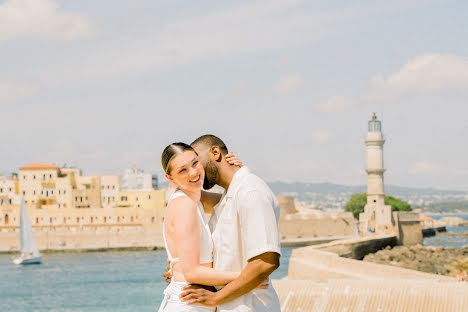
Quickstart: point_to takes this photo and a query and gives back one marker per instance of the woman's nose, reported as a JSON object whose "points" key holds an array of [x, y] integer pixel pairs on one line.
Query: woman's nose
{"points": [[193, 173]]}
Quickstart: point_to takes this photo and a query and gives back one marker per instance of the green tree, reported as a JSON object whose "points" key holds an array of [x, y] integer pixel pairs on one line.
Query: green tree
{"points": [[357, 202]]}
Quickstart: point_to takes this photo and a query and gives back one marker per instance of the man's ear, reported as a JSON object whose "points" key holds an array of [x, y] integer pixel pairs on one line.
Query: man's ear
{"points": [[215, 154], [169, 178]]}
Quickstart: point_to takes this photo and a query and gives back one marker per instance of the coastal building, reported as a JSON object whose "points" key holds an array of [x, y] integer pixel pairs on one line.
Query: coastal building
{"points": [[136, 179], [376, 216], [9, 191], [45, 186], [110, 188]]}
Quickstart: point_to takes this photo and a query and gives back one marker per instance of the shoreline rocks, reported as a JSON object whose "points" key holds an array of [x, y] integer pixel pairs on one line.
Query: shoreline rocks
{"points": [[436, 260], [453, 221]]}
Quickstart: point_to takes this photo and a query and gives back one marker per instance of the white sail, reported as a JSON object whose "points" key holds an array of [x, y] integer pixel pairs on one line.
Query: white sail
{"points": [[28, 243]]}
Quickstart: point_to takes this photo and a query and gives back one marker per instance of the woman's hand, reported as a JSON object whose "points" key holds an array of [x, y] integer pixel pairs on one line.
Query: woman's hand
{"points": [[233, 160]]}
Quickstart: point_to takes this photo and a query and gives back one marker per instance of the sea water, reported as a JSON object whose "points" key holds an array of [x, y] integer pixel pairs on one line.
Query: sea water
{"points": [[452, 240], [90, 281]]}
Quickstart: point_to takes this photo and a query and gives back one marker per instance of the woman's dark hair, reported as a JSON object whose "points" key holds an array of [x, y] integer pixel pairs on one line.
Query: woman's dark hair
{"points": [[171, 151]]}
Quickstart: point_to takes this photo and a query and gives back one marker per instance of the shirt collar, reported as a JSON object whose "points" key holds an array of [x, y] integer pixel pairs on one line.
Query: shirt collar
{"points": [[236, 180]]}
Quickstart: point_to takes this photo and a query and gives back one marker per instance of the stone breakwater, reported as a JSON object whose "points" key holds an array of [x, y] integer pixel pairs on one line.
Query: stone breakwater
{"points": [[436, 260]]}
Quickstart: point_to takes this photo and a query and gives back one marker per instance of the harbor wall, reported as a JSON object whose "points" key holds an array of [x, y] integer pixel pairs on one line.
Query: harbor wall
{"points": [[333, 224], [87, 238]]}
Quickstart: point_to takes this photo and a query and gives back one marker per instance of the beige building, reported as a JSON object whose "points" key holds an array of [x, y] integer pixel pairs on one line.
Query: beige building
{"points": [[9, 191], [46, 186], [110, 187]]}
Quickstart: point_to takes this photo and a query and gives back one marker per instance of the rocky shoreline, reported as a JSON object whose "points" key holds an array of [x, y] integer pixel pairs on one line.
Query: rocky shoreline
{"points": [[436, 260]]}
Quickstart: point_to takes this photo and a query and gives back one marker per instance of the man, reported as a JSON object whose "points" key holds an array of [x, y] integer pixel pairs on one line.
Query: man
{"points": [[244, 226]]}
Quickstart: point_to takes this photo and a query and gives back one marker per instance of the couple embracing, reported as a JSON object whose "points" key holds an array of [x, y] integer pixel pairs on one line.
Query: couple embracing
{"points": [[236, 250]]}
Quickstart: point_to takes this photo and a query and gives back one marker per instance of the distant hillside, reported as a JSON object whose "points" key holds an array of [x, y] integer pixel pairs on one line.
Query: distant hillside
{"points": [[302, 189], [329, 188]]}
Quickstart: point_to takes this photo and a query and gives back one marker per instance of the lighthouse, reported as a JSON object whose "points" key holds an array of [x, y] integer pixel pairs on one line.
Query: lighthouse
{"points": [[377, 216]]}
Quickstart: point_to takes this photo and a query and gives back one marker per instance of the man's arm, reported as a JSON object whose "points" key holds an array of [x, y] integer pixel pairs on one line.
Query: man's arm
{"points": [[255, 272], [261, 246]]}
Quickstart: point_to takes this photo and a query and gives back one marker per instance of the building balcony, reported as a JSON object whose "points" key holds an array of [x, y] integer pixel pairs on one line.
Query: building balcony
{"points": [[48, 184]]}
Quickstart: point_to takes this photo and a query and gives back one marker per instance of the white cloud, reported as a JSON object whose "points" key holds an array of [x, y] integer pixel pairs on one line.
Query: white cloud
{"points": [[40, 19], [429, 168], [321, 136], [424, 74], [13, 91], [289, 83], [335, 104]]}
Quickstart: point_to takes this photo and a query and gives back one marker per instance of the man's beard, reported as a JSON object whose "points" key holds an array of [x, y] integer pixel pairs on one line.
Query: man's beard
{"points": [[211, 171]]}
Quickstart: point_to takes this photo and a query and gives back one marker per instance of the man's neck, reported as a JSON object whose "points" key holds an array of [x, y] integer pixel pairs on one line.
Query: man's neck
{"points": [[225, 176]]}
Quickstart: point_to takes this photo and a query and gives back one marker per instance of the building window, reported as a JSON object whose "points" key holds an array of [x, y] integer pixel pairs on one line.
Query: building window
{"points": [[34, 192], [43, 177], [24, 193], [131, 219], [152, 219], [50, 176], [118, 219], [137, 199], [149, 196], [91, 220], [105, 219], [123, 198], [64, 192], [24, 177], [113, 187], [37, 220], [34, 177]]}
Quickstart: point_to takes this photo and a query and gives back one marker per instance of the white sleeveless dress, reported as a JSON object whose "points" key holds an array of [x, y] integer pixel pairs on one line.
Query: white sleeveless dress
{"points": [[171, 301]]}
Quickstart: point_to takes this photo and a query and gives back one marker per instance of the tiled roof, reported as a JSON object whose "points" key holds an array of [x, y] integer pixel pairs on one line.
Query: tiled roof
{"points": [[39, 166]]}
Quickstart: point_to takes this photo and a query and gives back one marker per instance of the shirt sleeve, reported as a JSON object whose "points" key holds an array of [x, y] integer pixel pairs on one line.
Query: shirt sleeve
{"points": [[258, 223]]}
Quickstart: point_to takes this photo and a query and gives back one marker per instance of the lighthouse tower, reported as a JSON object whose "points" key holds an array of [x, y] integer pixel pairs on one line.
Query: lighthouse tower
{"points": [[377, 216]]}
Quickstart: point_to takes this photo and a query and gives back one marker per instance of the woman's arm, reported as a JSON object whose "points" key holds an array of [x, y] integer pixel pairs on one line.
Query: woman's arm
{"points": [[187, 237]]}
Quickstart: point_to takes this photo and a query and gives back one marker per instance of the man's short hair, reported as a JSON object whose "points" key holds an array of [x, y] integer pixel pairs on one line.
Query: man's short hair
{"points": [[211, 140]]}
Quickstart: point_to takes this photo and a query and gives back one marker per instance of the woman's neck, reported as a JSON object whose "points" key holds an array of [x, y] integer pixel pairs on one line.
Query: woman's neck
{"points": [[195, 195]]}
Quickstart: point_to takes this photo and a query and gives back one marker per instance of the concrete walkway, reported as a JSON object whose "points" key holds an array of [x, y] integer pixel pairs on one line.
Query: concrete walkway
{"points": [[372, 295]]}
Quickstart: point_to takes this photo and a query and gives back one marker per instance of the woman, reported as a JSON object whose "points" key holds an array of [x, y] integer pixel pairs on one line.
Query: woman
{"points": [[187, 237]]}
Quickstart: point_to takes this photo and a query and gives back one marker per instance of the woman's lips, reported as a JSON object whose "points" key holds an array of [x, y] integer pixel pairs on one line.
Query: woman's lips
{"points": [[196, 180]]}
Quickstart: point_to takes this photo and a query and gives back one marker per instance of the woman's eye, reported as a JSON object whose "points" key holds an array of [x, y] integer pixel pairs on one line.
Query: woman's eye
{"points": [[195, 163], [182, 170]]}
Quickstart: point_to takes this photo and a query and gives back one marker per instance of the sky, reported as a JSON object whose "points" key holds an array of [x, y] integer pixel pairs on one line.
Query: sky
{"points": [[289, 85]]}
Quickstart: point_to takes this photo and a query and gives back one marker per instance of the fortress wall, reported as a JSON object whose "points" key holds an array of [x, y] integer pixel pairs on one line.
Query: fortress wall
{"points": [[358, 248], [298, 226], [314, 264], [287, 205], [87, 237], [409, 228]]}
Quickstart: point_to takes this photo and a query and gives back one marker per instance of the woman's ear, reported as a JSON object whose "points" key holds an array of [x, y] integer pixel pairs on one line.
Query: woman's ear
{"points": [[169, 178]]}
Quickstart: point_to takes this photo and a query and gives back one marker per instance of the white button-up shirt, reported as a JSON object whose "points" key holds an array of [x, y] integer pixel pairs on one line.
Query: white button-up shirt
{"points": [[244, 225]]}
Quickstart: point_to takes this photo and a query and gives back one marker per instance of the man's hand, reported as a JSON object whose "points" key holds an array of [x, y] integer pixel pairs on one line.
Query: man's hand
{"points": [[168, 274], [199, 294]]}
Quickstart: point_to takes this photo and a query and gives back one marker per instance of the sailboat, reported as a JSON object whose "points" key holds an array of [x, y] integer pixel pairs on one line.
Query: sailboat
{"points": [[29, 252]]}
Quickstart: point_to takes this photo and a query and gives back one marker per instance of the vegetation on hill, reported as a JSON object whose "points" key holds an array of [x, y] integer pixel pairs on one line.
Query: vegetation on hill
{"points": [[447, 206], [357, 202]]}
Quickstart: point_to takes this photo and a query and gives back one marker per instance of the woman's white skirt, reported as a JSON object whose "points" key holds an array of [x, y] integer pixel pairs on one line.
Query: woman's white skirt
{"points": [[172, 302]]}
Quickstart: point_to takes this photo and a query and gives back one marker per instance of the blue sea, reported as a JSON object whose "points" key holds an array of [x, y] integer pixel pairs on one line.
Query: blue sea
{"points": [[91, 281], [449, 241], [111, 281]]}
